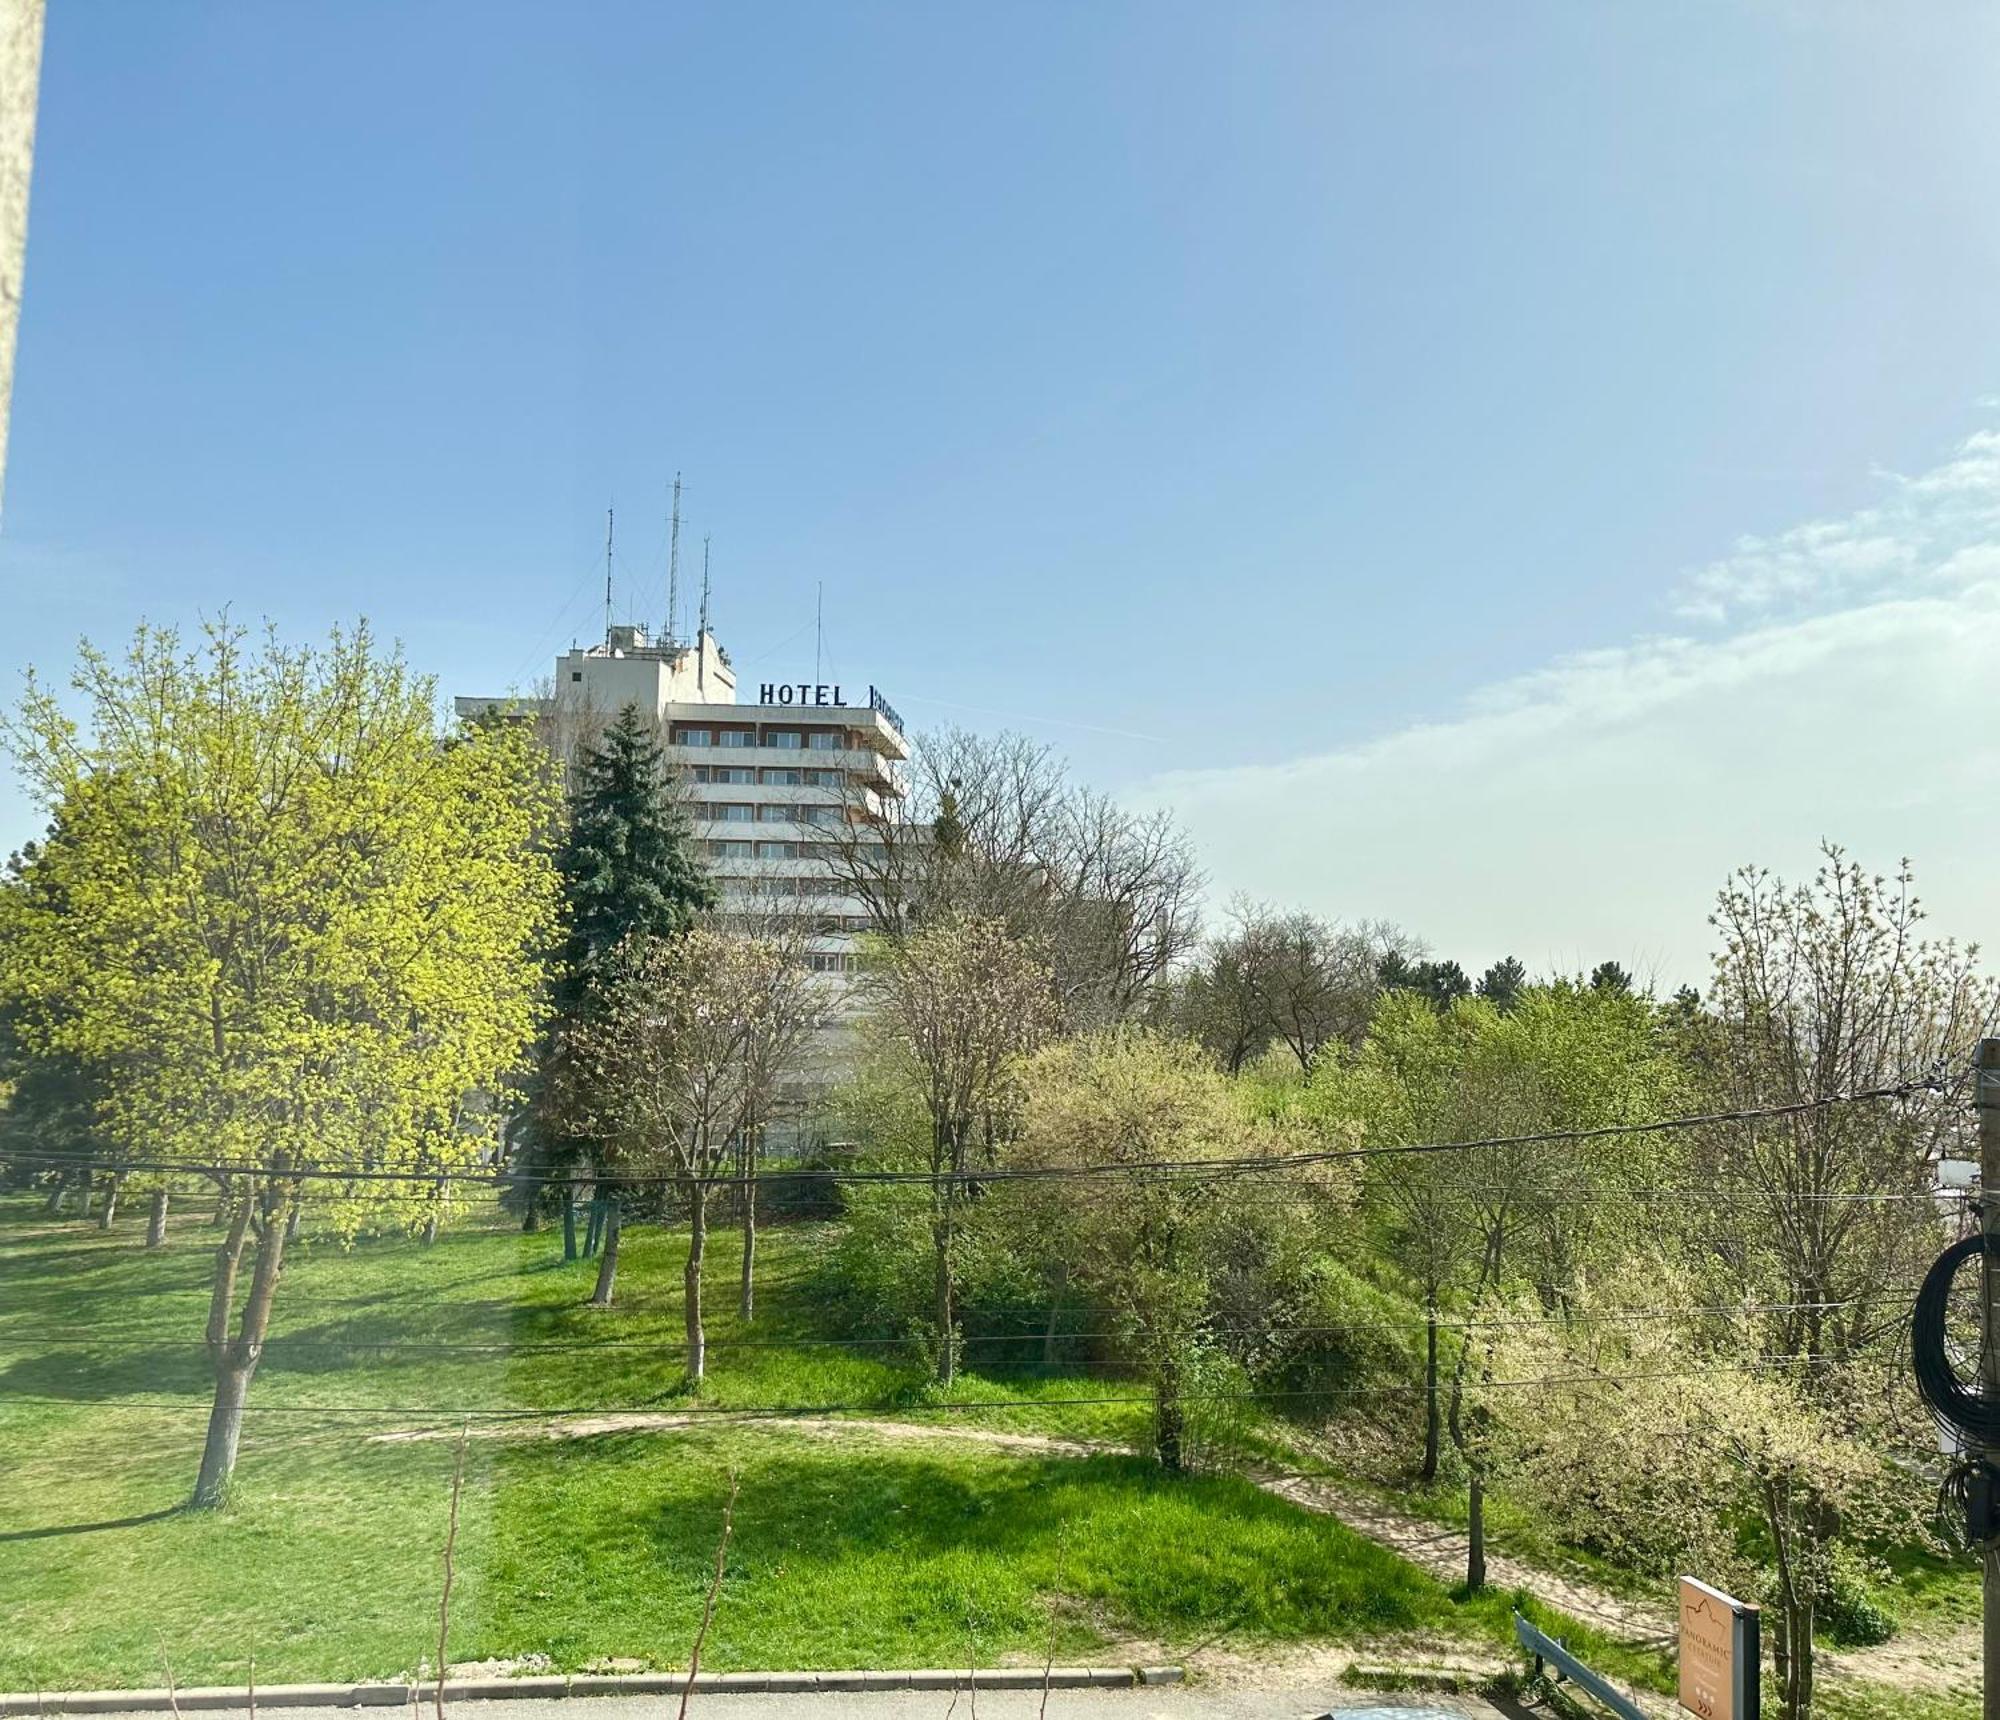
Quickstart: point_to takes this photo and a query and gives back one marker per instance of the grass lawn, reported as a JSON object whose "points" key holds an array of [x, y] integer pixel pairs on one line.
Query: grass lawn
{"points": [[849, 1549]]}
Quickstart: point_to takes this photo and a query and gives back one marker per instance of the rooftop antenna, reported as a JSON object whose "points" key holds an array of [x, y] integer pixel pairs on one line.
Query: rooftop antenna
{"points": [[701, 638], [819, 628], [674, 568], [609, 518]]}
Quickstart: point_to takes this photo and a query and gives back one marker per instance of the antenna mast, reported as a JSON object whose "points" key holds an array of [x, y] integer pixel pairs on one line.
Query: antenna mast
{"points": [[819, 627], [609, 517], [701, 638], [674, 568]]}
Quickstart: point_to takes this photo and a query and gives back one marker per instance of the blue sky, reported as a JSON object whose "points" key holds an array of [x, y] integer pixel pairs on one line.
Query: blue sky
{"points": [[1340, 422]]}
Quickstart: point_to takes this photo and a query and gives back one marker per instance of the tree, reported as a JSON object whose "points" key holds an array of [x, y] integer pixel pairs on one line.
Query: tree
{"points": [[1502, 983], [1614, 1447], [993, 829], [1610, 976], [666, 1071], [1289, 978], [1471, 1222], [1442, 982], [960, 1001], [629, 870], [1151, 1244], [300, 928], [1827, 1213]]}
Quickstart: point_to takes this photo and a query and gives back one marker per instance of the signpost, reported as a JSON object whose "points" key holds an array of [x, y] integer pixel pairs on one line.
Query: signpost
{"points": [[1720, 1663]]}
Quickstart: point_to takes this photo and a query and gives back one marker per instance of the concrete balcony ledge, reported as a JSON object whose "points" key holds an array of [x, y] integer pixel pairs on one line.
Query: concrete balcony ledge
{"points": [[210, 1698]]}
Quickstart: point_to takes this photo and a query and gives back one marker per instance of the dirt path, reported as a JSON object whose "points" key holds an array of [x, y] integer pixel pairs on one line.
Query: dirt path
{"points": [[1941, 1664]]}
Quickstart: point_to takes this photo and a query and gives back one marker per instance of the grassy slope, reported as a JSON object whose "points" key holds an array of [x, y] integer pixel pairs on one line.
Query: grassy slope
{"points": [[848, 1552]]}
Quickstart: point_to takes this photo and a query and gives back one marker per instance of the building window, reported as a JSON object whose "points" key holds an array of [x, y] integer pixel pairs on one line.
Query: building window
{"points": [[785, 739], [576, 674], [692, 737], [729, 851], [733, 773], [824, 778], [739, 737], [826, 740], [733, 812], [775, 850], [820, 961], [783, 778]]}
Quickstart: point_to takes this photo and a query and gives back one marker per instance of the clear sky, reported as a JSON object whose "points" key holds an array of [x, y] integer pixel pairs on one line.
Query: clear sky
{"points": [[1492, 467]]}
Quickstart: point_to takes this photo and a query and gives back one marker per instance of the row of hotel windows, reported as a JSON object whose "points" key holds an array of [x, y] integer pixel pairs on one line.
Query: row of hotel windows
{"points": [[770, 778], [819, 925], [790, 740], [778, 812], [726, 850]]}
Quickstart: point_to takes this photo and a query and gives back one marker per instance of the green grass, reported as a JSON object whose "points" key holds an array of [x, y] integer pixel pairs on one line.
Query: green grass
{"points": [[855, 1550]]}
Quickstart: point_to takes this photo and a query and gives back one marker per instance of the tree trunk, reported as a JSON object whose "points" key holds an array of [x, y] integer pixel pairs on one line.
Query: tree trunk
{"points": [[1433, 1421], [946, 1155], [607, 1266], [292, 1221], [531, 1217], [697, 1339], [1475, 1532], [88, 1188], [1169, 1418], [156, 1220], [569, 1221], [436, 1217], [942, 1314], [109, 1211], [593, 1233], [746, 1301], [223, 1207], [236, 1358], [53, 1205]]}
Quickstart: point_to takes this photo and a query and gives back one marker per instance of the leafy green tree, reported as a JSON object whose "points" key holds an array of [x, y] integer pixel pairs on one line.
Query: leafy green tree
{"points": [[629, 871], [299, 926], [1152, 1245], [1475, 1222]]}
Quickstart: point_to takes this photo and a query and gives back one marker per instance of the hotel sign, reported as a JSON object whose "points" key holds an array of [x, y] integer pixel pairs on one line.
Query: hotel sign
{"points": [[798, 693], [1720, 1662]]}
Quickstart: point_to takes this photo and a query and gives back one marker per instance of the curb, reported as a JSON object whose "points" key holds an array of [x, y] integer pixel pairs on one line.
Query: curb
{"points": [[207, 1698]]}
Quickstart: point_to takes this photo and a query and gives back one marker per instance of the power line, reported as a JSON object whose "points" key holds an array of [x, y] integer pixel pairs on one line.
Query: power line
{"points": [[1256, 1166]]}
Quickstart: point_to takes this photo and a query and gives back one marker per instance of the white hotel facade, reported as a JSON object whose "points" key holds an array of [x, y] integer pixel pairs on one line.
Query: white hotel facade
{"points": [[771, 786]]}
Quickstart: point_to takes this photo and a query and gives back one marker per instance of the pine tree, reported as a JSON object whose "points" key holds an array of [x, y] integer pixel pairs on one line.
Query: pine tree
{"points": [[628, 868], [629, 865]]}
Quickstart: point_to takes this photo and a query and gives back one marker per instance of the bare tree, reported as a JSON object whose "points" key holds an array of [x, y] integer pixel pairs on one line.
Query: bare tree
{"points": [[1287, 978], [993, 829], [664, 1075], [961, 1000]]}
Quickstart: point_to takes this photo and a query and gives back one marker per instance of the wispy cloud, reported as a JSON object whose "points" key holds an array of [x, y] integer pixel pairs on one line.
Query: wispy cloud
{"points": [[1843, 686], [1909, 542]]}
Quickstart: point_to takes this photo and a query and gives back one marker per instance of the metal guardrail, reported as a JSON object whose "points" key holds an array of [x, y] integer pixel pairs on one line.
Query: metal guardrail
{"points": [[1546, 1648]]}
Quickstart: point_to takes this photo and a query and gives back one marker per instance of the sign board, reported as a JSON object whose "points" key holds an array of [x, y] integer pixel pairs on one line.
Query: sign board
{"points": [[1719, 1654]]}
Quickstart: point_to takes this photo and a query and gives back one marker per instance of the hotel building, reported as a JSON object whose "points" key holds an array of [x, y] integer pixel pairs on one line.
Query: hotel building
{"points": [[770, 786]]}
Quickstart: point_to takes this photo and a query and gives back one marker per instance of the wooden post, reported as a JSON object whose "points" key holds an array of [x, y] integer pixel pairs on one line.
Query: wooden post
{"points": [[1986, 1102]]}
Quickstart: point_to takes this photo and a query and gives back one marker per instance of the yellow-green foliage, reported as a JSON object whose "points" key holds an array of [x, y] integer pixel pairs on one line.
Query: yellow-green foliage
{"points": [[291, 921]]}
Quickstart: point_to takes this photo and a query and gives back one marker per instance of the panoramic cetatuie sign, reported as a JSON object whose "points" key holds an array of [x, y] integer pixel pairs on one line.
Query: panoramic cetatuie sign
{"points": [[1719, 1654]]}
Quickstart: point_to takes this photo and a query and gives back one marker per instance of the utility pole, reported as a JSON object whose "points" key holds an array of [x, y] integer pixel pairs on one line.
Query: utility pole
{"points": [[1986, 1102]]}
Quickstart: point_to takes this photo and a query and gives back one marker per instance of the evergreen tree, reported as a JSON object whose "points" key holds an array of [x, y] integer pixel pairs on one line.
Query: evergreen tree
{"points": [[628, 868], [1501, 984], [1611, 977], [629, 865]]}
